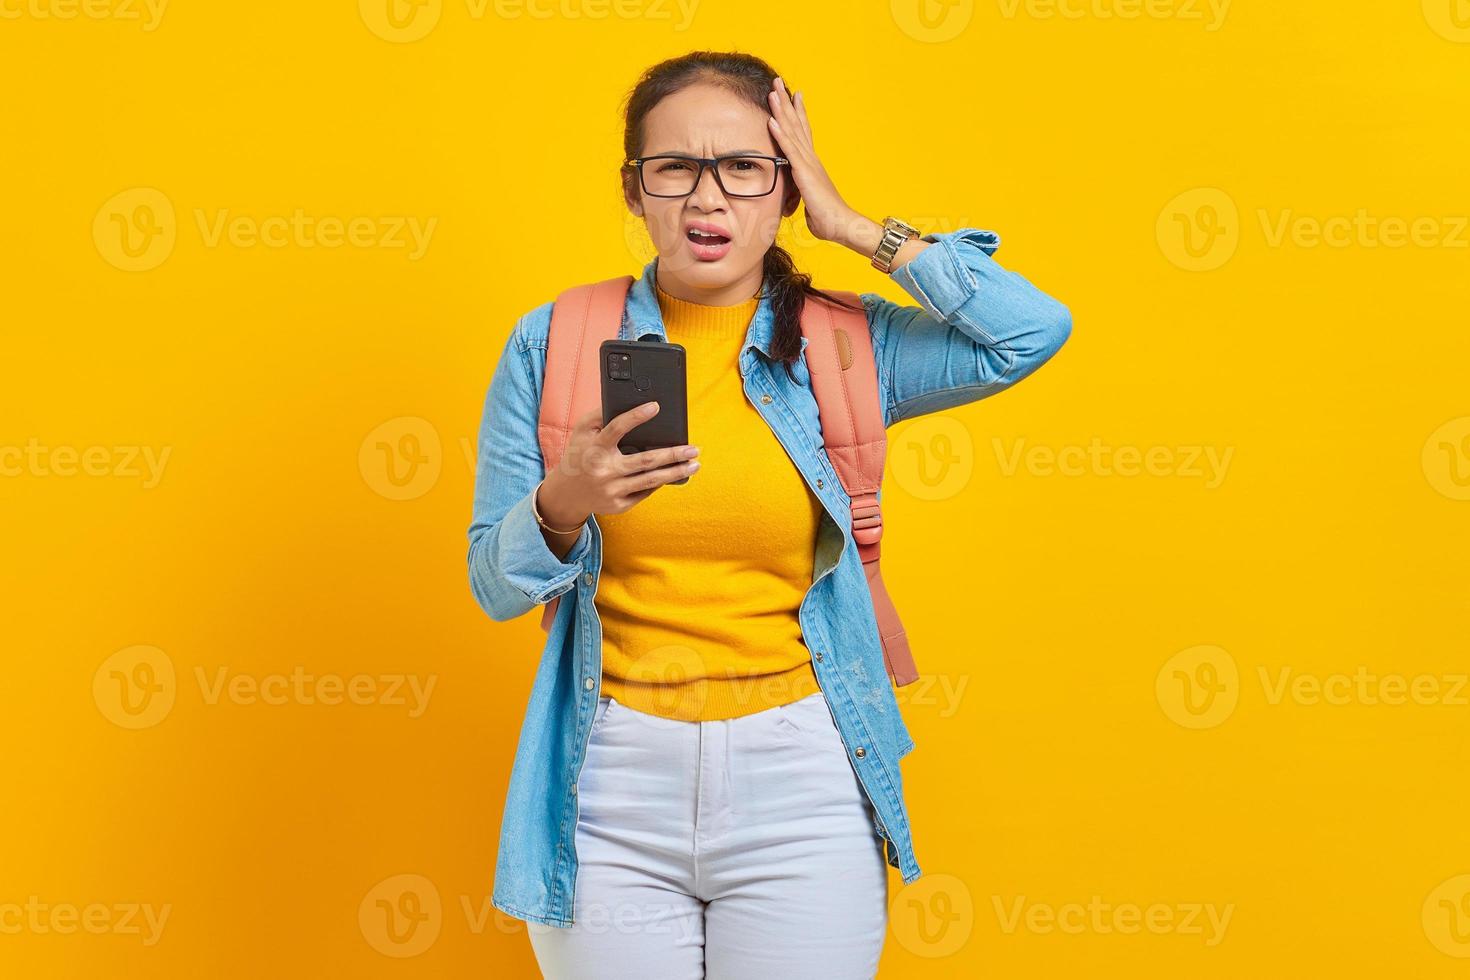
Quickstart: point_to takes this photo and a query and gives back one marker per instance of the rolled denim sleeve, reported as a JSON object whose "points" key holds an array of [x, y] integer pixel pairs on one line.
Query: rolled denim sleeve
{"points": [[978, 328], [511, 568]]}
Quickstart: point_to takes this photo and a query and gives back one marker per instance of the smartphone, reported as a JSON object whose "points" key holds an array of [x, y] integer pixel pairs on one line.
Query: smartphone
{"points": [[638, 371]]}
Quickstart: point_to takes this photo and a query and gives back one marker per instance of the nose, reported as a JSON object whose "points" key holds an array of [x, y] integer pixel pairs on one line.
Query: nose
{"points": [[707, 192]]}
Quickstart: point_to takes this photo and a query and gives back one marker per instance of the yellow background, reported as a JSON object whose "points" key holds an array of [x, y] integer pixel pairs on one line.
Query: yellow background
{"points": [[1057, 612]]}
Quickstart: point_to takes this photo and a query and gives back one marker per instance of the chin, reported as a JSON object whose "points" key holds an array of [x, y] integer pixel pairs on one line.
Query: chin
{"points": [[710, 274]]}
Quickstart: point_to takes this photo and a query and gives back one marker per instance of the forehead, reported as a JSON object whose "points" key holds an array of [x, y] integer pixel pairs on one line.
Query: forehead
{"points": [[705, 120]]}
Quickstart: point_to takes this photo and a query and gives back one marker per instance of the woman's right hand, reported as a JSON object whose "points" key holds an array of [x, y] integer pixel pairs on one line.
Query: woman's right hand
{"points": [[595, 477]]}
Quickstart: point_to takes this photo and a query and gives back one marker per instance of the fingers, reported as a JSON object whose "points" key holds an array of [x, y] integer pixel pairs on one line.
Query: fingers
{"points": [[785, 117], [639, 485], [621, 425], [650, 458], [798, 110], [806, 123]]}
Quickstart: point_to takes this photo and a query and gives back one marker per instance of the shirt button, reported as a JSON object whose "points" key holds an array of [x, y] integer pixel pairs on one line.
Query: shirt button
{"points": [[574, 789], [817, 654], [860, 752], [589, 683], [587, 578], [819, 484], [765, 399]]}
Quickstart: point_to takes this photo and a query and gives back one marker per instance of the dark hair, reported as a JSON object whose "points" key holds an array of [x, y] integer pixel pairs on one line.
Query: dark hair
{"points": [[751, 78]]}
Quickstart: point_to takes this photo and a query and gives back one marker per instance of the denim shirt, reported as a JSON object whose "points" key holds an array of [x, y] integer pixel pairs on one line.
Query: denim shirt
{"points": [[978, 329]]}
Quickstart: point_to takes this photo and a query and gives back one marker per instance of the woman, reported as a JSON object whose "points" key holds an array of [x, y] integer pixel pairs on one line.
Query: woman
{"points": [[707, 781]]}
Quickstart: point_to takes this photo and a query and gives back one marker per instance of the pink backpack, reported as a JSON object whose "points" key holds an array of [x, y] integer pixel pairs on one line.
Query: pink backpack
{"points": [[844, 375]]}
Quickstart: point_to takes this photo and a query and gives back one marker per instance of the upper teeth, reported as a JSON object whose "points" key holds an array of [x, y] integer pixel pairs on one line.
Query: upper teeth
{"points": [[706, 234]]}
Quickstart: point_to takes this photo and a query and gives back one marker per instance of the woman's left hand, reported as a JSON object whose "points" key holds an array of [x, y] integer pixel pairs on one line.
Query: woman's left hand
{"points": [[827, 214]]}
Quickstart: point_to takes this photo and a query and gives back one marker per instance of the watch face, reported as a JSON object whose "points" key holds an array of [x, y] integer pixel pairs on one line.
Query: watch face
{"points": [[900, 226]]}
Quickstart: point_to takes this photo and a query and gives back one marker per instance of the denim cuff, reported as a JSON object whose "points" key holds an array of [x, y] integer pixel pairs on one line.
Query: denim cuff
{"points": [[528, 563], [942, 276]]}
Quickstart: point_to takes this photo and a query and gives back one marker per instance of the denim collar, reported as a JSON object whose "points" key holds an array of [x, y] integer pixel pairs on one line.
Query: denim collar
{"points": [[642, 319]]}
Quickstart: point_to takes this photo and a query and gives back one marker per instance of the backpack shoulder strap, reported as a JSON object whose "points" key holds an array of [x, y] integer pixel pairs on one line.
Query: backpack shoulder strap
{"points": [[581, 319], [844, 373]]}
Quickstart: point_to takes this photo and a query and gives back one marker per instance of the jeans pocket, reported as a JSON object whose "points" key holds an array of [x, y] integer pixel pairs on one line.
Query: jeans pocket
{"points": [[599, 715], [808, 720]]}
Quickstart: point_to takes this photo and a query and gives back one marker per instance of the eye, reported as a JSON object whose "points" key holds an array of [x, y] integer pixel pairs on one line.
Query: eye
{"points": [[667, 165]]}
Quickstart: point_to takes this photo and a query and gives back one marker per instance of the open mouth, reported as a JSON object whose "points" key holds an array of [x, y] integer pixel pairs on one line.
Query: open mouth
{"points": [[705, 238]]}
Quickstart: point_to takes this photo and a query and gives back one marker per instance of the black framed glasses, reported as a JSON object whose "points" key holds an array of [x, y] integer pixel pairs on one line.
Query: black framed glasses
{"points": [[738, 174]]}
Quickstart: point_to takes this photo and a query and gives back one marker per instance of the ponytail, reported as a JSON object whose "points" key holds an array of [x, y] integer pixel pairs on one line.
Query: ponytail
{"points": [[789, 289]]}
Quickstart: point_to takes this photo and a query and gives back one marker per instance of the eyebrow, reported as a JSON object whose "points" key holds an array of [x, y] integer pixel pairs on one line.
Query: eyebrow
{"points": [[727, 153]]}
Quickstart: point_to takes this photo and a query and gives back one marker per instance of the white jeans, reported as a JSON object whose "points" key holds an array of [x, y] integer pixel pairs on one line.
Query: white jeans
{"points": [[731, 850]]}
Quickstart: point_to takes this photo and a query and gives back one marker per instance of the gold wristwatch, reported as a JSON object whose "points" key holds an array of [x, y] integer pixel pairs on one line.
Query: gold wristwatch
{"points": [[895, 233]]}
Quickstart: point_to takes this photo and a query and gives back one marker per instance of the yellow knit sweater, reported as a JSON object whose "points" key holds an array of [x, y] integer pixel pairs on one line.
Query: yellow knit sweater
{"points": [[701, 583]]}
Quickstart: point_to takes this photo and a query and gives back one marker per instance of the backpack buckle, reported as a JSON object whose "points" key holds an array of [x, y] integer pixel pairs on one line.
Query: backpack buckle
{"points": [[867, 519]]}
